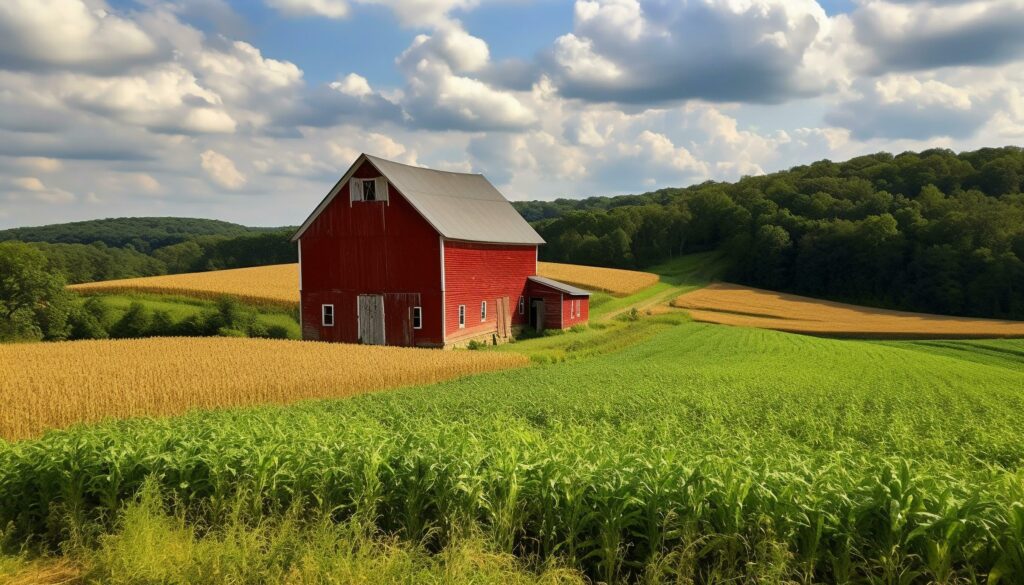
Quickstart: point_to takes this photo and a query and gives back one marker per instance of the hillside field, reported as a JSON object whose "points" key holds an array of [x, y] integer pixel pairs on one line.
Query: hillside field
{"points": [[645, 448], [698, 452], [731, 304]]}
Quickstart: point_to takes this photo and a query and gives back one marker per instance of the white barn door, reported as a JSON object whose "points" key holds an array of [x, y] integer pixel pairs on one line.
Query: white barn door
{"points": [[371, 319]]}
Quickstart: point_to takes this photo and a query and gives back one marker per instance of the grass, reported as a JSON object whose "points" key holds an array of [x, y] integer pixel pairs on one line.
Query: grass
{"points": [[181, 307], [44, 386], [151, 545], [731, 304], [699, 452], [678, 276], [612, 327]]}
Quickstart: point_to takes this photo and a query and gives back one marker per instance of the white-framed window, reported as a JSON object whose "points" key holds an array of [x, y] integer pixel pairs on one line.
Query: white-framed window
{"points": [[522, 305], [462, 316], [327, 315], [572, 309], [368, 189], [577, 303], [417, 317], [483, 311]]}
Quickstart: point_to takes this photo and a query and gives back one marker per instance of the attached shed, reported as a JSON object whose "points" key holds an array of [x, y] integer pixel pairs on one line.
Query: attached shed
{"points": [[556, 305]]}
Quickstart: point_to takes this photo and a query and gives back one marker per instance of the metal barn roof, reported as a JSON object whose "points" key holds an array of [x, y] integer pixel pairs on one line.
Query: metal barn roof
{"points": [[559, 286], [460, 206]]}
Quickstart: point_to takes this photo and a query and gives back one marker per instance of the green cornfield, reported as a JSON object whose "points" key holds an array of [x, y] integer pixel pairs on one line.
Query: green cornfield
{"points": [[702, 454]]}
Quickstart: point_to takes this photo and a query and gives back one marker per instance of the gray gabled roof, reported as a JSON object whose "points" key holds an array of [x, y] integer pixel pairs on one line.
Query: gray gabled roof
{"points": [[559, 286], [460, 206]]}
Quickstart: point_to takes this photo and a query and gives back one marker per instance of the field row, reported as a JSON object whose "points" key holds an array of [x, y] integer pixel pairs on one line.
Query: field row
{"points": [[730, 304], [52, 385]]}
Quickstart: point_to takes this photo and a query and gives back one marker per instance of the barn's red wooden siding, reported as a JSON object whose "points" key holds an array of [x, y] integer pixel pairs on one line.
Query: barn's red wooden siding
{"points": [[371, 247], [475, 272], [557, 312], [571, 317]]}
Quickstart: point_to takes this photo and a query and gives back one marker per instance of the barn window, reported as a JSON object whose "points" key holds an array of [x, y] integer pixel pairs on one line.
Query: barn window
{"points": [[483, 311], [578, 313], [572, 309], [327, 315], [368, 189], [522, 306], [417, 317], [462, 316]]}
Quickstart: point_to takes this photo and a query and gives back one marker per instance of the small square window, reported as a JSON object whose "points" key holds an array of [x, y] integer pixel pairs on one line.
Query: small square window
{"points": [[369, 190], [483, 311], [327, 315], [417, 317], [522, 306]]}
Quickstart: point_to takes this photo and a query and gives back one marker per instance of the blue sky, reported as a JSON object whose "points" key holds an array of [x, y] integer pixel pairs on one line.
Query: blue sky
{"points": [[248, 111]]}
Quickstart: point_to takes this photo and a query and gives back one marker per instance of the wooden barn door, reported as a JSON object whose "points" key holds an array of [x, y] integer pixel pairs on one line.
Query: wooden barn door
{"points": [[371, 319], [504, 318], [398, 307]]}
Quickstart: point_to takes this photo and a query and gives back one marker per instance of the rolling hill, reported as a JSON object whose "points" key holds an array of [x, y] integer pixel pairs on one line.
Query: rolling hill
{"points": [[143, 233]]}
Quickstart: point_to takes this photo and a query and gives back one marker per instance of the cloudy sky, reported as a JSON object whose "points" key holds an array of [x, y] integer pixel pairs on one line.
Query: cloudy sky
{"points": [[249, 111]]}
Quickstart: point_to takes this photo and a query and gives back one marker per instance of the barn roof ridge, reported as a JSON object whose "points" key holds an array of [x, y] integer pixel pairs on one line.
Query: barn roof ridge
{"points": [[373, 157], [459, 206]]}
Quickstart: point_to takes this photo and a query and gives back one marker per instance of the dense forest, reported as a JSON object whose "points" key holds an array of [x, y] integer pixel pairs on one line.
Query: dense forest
{"points": [[933, 231], [128, 247], [143, 234]]}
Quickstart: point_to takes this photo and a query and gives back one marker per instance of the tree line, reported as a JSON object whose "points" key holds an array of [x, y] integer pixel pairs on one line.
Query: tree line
{"points": [[36, 305], [89, 262], [933, 231], [143, 234]]}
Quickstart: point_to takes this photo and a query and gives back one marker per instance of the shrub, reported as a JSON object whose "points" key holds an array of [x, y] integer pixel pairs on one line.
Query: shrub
{"points": [[84, 325], [631, 315], [277, 332], [137, 322], [162, 324], [195, 326]]}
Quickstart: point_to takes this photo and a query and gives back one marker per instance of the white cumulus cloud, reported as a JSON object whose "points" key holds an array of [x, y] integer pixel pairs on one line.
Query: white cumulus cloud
{"points": [[221, 170]]}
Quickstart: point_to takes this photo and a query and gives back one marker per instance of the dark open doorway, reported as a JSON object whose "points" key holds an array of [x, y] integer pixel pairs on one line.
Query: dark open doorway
{"points": [[537, 314]]}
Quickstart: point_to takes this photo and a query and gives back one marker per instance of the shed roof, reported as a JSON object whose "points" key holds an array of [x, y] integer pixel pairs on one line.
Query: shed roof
{"points": [[559, 286], [460, 206]]}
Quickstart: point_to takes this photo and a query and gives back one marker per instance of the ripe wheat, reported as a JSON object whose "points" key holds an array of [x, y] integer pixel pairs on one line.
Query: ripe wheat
{"points": [[271, 286], [49, 385], [731, 304], [618, 282]]}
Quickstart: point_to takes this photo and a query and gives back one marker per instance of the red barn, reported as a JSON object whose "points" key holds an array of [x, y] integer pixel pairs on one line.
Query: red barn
{"points": [[403, 255]]}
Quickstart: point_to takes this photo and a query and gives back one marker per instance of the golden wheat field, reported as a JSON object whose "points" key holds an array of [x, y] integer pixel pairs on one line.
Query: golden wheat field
{"points": [[278, 285], [273, 286], [615, 281], [52, 385], [731, 304]]}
